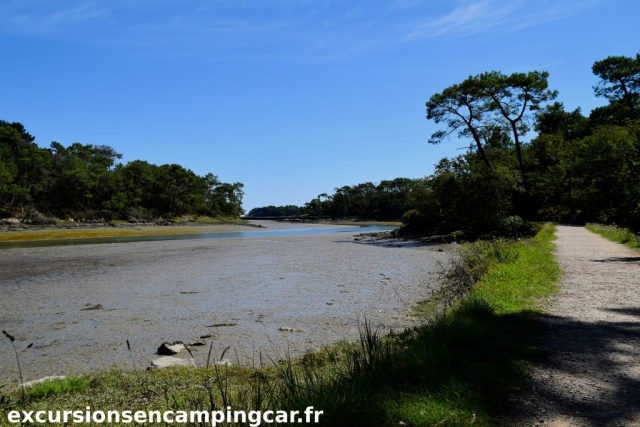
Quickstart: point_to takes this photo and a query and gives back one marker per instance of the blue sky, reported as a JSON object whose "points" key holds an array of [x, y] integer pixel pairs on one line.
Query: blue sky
{"points": [[292, 98]]}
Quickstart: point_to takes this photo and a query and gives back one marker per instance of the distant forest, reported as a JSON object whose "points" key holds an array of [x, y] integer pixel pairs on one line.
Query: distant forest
{"points": [[385, 201], [576, 169], [84, 182]]}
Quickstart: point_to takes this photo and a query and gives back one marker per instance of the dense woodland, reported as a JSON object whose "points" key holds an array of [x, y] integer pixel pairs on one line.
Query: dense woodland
{"points": [[576, 168], [385, 201], [85, 182]]}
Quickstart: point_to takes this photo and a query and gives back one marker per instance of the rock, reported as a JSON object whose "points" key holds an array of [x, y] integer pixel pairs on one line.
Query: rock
{"points": [[286, 329], [41, 380], [197, 343], [206, 336], [168, 361], [89, 306], [170, 348]]}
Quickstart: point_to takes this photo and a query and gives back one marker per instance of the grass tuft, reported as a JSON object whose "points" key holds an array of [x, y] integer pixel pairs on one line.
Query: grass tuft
{"points": [[58, 387]]}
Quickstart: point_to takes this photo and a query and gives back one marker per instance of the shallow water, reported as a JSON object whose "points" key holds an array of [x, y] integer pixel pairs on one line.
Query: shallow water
{"points": [[79, 304]]}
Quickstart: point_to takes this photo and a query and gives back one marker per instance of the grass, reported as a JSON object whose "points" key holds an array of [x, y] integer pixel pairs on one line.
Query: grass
{"points": [[617, 234], [58, 387], [458, 369]]}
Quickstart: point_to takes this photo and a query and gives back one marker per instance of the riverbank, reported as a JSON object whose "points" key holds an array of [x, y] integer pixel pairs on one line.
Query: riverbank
{"points": [[456, 371]]}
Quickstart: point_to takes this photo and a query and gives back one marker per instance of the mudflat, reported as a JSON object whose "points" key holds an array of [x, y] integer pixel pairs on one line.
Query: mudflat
{"points": [[261, 295]]}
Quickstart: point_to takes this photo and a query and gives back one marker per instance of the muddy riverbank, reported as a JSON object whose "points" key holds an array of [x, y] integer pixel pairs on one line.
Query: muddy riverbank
{"points": [[79, 304]]}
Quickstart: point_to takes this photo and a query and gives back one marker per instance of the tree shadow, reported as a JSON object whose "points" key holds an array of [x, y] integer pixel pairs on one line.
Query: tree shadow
{"points": [[590, 373], [632, 311], [619, 259]]}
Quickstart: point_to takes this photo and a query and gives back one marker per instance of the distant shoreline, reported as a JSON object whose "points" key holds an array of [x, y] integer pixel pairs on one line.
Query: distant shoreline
{"points": [[66, 230]]}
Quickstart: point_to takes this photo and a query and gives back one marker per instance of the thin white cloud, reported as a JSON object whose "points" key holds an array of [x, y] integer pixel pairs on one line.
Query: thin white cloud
{"points": [[48, 17], [302, 29], [474, 17]]}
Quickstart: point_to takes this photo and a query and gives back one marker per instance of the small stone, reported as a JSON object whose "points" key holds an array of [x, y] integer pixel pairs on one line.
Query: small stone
{"points": [[206, 336], [286, 329], [197, 343]]}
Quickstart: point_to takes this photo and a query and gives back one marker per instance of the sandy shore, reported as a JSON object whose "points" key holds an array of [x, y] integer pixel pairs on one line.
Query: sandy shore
{"points": [[79, 304]]}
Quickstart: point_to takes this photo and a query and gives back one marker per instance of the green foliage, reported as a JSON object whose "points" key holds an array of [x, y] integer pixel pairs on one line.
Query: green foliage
{"points": [[489, 101], [58, 387], [386, 201], [620, 84], [463, 195], [289, 210], [84, 182]]}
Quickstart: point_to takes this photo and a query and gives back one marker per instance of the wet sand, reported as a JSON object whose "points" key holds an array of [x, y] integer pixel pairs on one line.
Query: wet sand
{"points": [[79, 304]]}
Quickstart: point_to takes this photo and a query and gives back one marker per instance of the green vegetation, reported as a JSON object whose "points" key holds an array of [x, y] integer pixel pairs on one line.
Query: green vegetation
{"points": [[58, 387], [85, 183], [386, 201], [617, 234], [459, 368], [289, 210]]}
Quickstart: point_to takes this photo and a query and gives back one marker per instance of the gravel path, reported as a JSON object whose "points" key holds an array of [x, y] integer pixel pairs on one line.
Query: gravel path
{"points": [[591, 376]]}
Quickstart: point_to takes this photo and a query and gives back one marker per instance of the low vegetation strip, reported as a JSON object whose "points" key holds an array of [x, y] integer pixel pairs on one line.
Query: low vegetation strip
{"points": [[457, 369], [617, 234]]}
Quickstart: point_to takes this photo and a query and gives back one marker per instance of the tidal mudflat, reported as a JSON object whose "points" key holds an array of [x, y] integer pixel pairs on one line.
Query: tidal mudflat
{"points": [[274, 294]]}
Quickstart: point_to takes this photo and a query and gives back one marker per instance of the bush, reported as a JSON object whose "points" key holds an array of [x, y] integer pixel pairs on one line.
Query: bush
{"points": [[415, 222], [36, 218], [514, 226]]}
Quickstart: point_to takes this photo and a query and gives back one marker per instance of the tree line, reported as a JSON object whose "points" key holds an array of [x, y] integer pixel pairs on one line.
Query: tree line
{"points": [[387, 200], [576, 168], [85, 181]]}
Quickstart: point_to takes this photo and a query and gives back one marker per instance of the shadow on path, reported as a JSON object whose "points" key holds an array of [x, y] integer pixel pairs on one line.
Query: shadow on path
{"points": [[590, 373], [619, 259]]}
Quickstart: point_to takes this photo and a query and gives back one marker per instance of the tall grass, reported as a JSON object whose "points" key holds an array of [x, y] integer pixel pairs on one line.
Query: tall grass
{"points": [[457, 370]]}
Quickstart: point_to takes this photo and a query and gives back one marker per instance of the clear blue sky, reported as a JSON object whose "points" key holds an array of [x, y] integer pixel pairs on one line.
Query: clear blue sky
{"points": [[292, 98]]}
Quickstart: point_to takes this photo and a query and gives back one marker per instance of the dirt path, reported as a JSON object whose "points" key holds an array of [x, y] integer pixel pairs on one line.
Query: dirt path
{"points": [[591, 376]]}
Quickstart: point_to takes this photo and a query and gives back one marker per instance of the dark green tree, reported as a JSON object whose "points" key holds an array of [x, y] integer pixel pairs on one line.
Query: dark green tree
{"points": [[463, 109], [620, 84]]}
